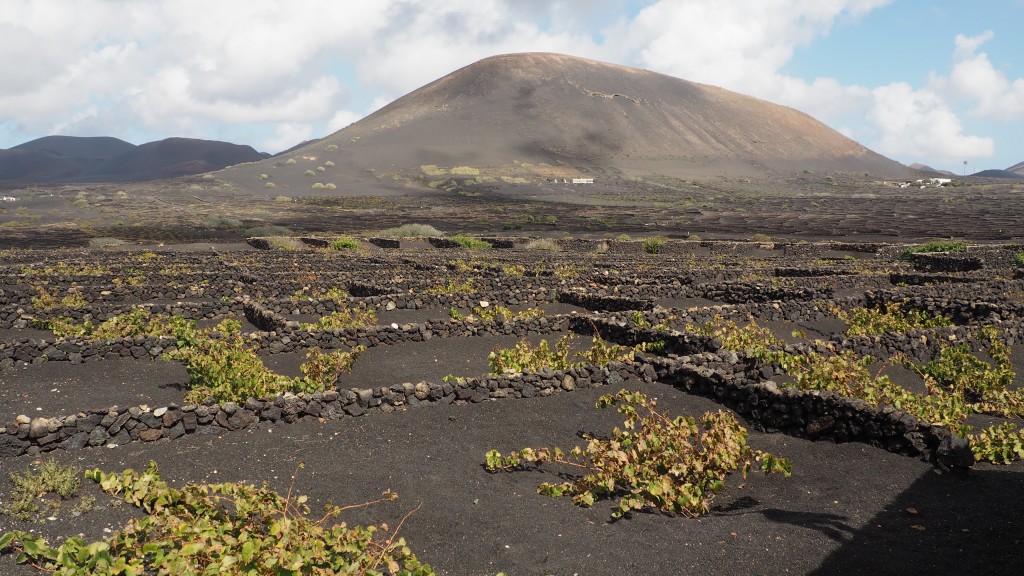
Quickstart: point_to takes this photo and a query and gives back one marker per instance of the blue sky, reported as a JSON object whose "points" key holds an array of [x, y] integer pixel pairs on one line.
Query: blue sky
{"points": [[916, 80]]}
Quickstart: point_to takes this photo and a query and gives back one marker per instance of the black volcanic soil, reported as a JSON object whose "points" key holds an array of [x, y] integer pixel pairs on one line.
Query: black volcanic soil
{"points": [[847, 509]]}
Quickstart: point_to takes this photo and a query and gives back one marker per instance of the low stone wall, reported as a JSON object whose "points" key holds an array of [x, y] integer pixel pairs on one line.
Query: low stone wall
{"points": [[814, 415], [117, 426]]}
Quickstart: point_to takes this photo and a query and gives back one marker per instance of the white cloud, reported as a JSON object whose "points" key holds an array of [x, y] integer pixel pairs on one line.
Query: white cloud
{"points": [[288, 134], [274, 71], [919, 124], [975, 79], [341, 119], [743, 45]]}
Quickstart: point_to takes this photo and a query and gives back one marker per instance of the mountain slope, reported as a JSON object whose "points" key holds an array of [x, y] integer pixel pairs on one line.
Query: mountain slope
{"points": [[567, 111], [1017, 168], [106, 159]]}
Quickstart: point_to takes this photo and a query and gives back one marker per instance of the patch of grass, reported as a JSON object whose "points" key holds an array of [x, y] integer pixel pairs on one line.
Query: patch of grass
{"points": [[411, 231], [465, 171], [33, 485]]}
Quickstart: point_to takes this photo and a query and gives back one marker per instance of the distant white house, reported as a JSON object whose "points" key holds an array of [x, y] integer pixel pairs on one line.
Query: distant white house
{"points": [[582, 180], [8, 198]]}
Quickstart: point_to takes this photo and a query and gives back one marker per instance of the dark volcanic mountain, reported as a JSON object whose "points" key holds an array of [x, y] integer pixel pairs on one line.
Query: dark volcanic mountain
{"points": [[998, 174], [927, 168], [105, 159], [571, 112]]}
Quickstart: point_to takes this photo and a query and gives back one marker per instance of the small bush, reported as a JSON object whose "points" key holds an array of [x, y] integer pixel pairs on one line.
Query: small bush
{"points": [[318, 186], [309, 173], [269, 185], [35, 483], [321, 169], [329, 164], [465, 171], [470, 242], [1018, 260], [330, 186], [345, 243], [936, 247], [104, 242], [221, 222], [264, 176], [543, 244], [760, 238], [331, 147], [411, 231], [291, 161], [653, 245]]}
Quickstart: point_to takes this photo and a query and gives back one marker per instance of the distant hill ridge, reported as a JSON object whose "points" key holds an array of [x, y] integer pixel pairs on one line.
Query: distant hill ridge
{"points": [[108, 159]]}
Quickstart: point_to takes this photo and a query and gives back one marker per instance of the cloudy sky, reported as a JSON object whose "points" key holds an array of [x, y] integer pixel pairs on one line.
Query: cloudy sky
{"points": [[939, 82]]}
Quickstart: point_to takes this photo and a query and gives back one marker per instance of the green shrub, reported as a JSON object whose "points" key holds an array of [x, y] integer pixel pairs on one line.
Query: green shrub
{"points": [[653, 245], [950, 246], [309, 173], [331, 147], [345, 243], [221, 222], [226, 528], [411, 231], [470, 242], [652, 462], [318, 186], [269, 185], [35, 483], [1018, 260]]}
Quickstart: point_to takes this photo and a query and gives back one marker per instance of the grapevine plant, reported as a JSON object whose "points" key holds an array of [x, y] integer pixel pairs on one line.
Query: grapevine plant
{"points": [[654, 462], [221, 365], [226, 528]]}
